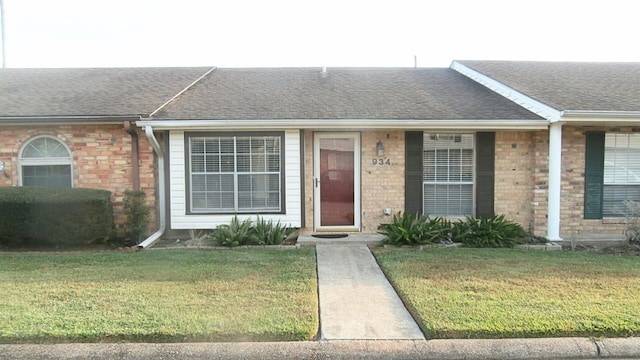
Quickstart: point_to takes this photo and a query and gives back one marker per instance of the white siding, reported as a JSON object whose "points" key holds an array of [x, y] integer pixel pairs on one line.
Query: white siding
{"points": [[178, 177]]}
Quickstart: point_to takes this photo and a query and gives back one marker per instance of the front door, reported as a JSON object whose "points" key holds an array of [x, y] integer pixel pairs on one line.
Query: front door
{"points": [[337, 181]]}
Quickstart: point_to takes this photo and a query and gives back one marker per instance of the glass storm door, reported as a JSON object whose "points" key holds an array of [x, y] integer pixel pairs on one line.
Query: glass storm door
{"points": [[337, 181]]}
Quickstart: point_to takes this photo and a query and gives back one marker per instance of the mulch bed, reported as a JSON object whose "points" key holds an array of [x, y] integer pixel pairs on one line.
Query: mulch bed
{"points": [[626, 249]]}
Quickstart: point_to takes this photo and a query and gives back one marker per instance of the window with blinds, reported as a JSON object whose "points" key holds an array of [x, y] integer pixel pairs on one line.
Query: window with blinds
{"points": [[46, 162], [621, 172], [235, 173], [448, 173]]}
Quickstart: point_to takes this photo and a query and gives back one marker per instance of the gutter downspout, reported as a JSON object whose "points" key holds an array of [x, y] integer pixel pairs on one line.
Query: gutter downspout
{"points": [[135, 155], [161, 190]]}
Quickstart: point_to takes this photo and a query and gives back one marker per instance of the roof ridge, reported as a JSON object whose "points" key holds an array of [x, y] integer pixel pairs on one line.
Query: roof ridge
{"points": [[182, 92]]}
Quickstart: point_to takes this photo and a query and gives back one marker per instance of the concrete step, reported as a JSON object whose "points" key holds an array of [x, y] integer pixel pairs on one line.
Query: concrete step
{"points": [[350, 238]]}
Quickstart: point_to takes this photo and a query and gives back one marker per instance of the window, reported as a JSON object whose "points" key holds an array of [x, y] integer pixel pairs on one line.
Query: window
{"points": [[621, 172], [448, 173], [229, 174], [46, 162]]}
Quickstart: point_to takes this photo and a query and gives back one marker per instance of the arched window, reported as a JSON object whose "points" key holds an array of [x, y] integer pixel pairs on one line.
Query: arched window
{"points": [[45, 161]]}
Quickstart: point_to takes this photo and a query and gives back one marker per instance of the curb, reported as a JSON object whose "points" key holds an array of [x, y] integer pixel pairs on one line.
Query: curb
{"points": [[545, 348]]}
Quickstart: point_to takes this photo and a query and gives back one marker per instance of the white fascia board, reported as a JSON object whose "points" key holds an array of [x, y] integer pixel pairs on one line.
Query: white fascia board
{"points": [[601, 117], [345, 124], [517, 97]]}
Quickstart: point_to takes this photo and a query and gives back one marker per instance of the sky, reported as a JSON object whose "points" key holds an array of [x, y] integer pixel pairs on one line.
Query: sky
{"points": [[302, 33]]}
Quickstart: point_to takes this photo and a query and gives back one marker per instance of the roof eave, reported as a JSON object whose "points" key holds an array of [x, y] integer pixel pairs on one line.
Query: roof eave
{"points": [[601, 118], [600, 114], [252, 124], [64, 119]]}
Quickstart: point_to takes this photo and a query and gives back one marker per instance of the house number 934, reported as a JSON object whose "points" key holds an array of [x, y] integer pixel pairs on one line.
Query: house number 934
{"points": [[381, 161]]}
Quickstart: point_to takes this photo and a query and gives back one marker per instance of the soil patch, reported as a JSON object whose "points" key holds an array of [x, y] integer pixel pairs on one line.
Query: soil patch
{"points": [[626, 249]]}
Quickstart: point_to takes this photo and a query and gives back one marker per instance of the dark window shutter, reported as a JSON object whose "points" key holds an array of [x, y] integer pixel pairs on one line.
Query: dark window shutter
{"points": [[485, 166], [593, 175], [413, 172]]}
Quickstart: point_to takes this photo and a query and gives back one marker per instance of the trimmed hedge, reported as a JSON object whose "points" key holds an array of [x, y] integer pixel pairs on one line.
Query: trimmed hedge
{"points": [[32, 216]]}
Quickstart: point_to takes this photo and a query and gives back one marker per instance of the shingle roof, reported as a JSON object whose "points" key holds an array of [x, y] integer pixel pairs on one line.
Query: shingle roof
{"points": [[90, 92], [580, 86], [344, 93]]}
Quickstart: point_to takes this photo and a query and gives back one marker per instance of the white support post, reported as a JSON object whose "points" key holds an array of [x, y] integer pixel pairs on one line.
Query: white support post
{"points": [[555, 182]]}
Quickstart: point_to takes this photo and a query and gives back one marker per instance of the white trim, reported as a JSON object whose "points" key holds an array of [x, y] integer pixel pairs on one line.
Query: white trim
{"points": [[609, 118], [517, 97], [554, 182], [435, 182], [317, 211], [601, 114], [236, 174], [405, 124]]}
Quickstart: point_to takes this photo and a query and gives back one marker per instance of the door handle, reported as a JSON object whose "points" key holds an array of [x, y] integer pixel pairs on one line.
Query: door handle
{"points": [[317, 181]]}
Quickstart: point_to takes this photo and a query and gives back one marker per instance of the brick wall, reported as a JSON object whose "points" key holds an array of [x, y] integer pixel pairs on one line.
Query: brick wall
{"points": [[98, 162], [514, 167], [540, 182], [382, 185], [521, 178]]}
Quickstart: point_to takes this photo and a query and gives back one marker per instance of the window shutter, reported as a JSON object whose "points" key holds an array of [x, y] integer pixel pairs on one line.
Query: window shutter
{"points": [[485, 166], [413, 172], [594, 175]]}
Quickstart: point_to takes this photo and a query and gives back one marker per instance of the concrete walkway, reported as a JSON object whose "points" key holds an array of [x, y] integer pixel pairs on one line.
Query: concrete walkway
{"points": [[356, 300]]}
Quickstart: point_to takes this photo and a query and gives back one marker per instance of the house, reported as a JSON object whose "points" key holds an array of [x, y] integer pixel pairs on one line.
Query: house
{"points": [[338, 149], [76, 127]]}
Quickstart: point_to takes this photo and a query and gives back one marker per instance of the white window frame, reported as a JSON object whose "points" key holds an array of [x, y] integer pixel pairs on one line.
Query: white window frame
{"points": [[621, 169], [453, 138], [44, 161], [235, 173]]}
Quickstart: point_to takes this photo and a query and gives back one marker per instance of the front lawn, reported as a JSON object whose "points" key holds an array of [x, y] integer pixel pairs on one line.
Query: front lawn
{"points": [[161, 295], [506, 293]]}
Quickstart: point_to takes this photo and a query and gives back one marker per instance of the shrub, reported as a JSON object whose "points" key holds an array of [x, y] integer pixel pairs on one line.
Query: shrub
{"points": [[269, 232], [137, 214], [413, 229], [632, 217], [31, 216], [235, 233], [246, 232], [495, 231]]}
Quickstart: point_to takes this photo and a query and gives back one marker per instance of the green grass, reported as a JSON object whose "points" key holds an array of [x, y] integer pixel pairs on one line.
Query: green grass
{"points": [[506, 293], [158, 296]]}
